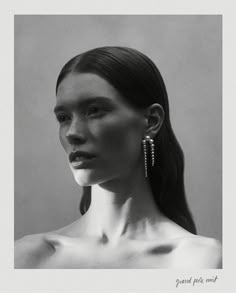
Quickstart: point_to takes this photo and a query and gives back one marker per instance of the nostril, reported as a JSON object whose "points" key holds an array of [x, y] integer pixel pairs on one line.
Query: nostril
{"points": [[75, 138]]}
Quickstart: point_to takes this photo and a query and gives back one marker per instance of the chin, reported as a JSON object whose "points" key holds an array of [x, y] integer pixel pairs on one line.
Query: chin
{"points": [[82, 178], [91, 176], [85, 177]]}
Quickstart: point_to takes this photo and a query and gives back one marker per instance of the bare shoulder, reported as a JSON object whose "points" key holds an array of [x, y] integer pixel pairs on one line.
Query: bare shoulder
{"points": [[30, 250], [200, 252]]}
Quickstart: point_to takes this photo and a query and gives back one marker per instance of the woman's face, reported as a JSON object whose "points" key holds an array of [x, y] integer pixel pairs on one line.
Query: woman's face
{"points": [[94, 118]]}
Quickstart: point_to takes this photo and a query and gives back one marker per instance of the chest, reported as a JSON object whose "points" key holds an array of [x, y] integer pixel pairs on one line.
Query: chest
{"points": [[87, 254]]}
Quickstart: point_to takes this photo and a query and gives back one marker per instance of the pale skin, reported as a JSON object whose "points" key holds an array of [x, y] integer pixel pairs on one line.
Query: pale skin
{"points": [[123, 227]]}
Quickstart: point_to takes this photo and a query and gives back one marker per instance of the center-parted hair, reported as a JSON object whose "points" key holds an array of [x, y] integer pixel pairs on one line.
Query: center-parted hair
{"points": [[140, 83]]}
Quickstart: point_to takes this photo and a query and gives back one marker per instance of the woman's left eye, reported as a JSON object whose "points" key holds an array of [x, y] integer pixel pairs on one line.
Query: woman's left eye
{"points": [[93, 110]]}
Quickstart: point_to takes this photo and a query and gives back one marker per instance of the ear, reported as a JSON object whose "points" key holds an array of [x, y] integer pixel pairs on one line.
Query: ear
{"points": [[154, 116]]}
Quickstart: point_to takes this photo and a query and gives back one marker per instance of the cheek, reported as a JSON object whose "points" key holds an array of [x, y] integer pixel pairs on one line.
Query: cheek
{"points": [[62, 139], [121, 139]]}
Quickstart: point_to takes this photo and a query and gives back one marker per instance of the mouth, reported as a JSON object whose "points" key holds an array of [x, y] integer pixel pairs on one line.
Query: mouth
{"points": [[79, 159], [81, 163]]}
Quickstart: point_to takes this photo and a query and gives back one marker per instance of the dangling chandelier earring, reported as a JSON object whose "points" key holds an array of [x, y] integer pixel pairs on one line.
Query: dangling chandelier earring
{"points": [[152, 149], [145, 156]]}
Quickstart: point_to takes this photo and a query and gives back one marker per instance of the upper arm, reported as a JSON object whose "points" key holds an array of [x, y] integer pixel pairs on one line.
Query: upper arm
{"points": [[201, 253], [209, 254], [29, 251], [214, 252]]}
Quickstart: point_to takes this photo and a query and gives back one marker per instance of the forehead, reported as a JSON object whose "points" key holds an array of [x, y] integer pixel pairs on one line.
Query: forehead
{"points": [[81, 86]]}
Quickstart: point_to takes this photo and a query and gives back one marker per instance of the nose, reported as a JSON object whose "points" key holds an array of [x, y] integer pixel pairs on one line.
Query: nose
{"points": [[76, 132]]}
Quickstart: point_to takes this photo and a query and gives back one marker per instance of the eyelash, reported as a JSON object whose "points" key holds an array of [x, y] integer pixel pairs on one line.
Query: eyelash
{"points": [[99, 112], [95, 107], [59, 116]]}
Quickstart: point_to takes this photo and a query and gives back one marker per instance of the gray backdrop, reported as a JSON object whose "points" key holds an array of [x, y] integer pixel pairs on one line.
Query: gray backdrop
{"points": [[186, 49]]}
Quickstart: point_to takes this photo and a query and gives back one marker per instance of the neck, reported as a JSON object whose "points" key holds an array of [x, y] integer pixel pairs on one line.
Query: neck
{"points": [[122, 208]]}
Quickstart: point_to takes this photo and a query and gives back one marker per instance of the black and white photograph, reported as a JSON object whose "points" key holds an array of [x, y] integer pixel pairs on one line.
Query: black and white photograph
{"points": [[118, 141], [117, 146]]}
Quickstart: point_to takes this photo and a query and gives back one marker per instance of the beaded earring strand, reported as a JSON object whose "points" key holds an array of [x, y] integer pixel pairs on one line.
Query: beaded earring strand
{"points": [[152, 147]]}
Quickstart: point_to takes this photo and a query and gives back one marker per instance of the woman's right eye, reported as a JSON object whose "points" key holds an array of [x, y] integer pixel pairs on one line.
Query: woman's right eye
{"points": [[62, 118]]}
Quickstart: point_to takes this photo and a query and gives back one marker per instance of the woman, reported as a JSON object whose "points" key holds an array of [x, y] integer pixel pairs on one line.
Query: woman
{"points": [[114, 125]]}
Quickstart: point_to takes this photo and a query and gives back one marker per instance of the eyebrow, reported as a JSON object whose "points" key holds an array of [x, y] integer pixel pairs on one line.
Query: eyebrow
{"points": [[84, 102]]}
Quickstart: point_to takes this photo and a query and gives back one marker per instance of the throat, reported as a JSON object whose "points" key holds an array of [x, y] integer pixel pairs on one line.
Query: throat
{"points": [[113, 237], [123, 226], [127, 211]]}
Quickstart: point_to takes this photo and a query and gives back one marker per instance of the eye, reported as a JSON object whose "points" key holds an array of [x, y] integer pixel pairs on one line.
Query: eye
{"points": [[95, 110], [62, 117]]}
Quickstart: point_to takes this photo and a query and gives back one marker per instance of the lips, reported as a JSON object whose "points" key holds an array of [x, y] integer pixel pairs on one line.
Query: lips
{"points": [[78, 156]]}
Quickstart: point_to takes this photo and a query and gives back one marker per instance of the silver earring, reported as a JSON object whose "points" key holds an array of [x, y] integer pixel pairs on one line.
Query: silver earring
{"points": [[152, 149], [145, 156]]}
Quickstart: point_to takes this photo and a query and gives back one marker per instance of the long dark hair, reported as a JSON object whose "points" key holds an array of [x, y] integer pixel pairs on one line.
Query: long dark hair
{"points": [[139, 81]]}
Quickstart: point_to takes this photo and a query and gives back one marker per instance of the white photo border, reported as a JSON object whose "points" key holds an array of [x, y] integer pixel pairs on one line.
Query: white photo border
{"points": [[114, 280]]}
